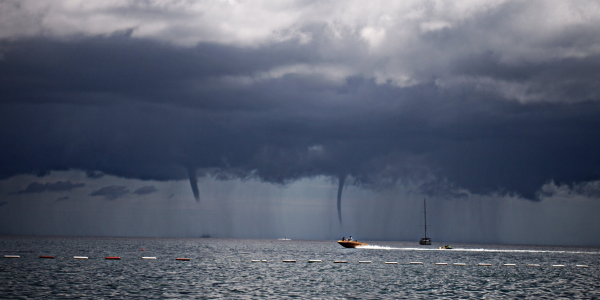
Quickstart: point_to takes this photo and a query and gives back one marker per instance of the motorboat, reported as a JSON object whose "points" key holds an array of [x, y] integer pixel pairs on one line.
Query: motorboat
{"points": [[351, 243], [446, 247]]}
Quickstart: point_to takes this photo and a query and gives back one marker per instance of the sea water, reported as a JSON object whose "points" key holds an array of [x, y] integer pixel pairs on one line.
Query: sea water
{"points": [[223, 268]]}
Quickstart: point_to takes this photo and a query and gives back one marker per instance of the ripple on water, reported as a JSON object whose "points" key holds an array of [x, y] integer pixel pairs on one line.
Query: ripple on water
{"points": [[222, 269]]}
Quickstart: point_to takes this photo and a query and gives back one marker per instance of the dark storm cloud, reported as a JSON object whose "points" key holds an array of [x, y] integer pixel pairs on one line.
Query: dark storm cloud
{"points": [[142, 109], [111, 192], [59, 186], [62, 199], [149, 189]]}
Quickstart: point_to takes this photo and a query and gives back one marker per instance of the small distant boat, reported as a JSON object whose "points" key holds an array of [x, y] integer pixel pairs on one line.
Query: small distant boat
{"points": [[285, 239], [425, 240], [351, 244], [446, 247]]}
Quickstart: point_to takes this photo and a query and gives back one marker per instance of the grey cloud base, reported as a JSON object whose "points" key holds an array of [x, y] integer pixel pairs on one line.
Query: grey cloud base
{"points": [[146, 110]]}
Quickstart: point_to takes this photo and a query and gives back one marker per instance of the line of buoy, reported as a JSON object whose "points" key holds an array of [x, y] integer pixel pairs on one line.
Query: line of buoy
{"points": [[319, 260]]}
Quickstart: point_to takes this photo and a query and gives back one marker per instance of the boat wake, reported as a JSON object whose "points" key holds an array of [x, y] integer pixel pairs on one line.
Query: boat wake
{"points": [[376, 247]]}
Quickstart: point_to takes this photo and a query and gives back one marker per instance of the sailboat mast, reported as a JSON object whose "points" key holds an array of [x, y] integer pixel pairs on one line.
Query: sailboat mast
{"points": [[425, 213]]}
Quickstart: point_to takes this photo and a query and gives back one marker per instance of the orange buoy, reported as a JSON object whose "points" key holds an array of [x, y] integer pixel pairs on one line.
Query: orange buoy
{"points": [[182, 258], [46, 256], [143, 249], [113, 257]]}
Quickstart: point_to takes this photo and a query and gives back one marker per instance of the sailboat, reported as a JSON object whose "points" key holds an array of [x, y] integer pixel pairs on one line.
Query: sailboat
{"points": [[425, 240]]}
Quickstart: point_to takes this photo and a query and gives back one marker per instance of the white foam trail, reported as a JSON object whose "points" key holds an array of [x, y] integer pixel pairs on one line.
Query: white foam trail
{"points": [[376, 247]]}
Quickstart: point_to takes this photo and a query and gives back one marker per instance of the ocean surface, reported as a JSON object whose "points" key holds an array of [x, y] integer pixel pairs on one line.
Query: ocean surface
{"points": [[223, 268]]}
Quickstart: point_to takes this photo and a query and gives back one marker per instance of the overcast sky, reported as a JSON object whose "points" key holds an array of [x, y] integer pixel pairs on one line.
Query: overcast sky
{"points": [[307, 119]]}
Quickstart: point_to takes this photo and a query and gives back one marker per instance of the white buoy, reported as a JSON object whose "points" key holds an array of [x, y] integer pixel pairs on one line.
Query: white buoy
{"points": [[459, 264], [80, 257], [582, 266], [415, 263], [441, 264], [11, 256], [314, 260], [264, 260], [558, 266], [339, 262], [533, 265], [391, 262], [364, 262], [509, 265], [484, 265], [148, 257]]}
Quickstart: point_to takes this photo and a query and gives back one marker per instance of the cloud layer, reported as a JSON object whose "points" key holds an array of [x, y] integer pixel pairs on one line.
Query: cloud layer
{"points": [[59, 186], [485, 97]]}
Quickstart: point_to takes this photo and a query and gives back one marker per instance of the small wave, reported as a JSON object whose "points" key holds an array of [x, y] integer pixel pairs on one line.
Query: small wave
{"points": [[377, 247]]}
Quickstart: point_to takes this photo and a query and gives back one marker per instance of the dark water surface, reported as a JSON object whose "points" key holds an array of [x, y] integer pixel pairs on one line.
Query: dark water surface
{"points": [[222, 268]]}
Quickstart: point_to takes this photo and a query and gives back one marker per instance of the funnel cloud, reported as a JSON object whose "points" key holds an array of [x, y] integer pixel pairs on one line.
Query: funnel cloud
{"points": [[194, 183]]}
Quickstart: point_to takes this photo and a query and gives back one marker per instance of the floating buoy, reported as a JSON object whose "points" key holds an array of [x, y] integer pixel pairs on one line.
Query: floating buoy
{"points": [[148, 257], [484, 265], [255, 260], [314, 260], [509, 265], [11, 256], [364, 262], [264, 260], [113, 257], [582, 266], [391, 262], [46, 256], [182, 258], [80, 257], [558, 266], [289, 261], [143, 249], [415, 263], [441, 264], [339, 262], [533, 265], [459, 264]]}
